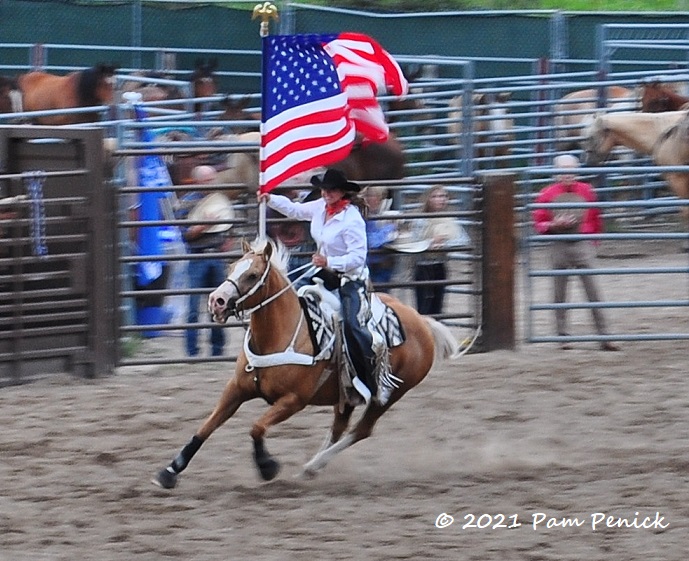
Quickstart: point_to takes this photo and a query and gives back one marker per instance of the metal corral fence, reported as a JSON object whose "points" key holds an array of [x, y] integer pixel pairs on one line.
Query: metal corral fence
{"points": [[444, 141], [633, 232]]}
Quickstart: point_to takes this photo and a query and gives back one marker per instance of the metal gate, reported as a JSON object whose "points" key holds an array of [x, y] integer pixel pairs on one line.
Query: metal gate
{"points": [[58, 306]]}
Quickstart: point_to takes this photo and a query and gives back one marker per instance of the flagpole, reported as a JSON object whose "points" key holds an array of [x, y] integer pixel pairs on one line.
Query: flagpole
{"points": [[265, 12]]}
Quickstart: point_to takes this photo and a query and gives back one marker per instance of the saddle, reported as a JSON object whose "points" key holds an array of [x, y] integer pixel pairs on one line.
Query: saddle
{"points": [[322, 310]]}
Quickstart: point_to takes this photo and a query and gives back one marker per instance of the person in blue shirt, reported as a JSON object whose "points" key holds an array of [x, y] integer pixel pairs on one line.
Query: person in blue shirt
{"points": [[209, 239], [379, 233]]}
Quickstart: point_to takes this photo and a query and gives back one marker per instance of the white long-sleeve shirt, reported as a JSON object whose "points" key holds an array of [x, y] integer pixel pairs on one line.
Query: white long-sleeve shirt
{"points": [[341, 239]]}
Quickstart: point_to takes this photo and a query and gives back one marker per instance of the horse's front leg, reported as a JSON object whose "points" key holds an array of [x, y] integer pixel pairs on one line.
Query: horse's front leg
{"points": [[230, 400], [282, 409]]}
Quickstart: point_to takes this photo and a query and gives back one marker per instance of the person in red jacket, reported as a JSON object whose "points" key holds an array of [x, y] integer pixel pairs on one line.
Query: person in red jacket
{"points": [[571, 254]]}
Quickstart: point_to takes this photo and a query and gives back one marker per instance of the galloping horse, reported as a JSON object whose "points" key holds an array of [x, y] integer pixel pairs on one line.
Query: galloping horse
{"points": [[663, 136], [657, 97], [41, 91], [256, 285], [576, 111], [490, 121]]}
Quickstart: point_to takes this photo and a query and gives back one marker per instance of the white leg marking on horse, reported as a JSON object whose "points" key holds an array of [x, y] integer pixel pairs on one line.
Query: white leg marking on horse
{"points": [[321, 459]]}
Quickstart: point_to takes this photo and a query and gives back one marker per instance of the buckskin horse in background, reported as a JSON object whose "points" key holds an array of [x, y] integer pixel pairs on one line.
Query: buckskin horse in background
{"points": [[575, 112], [657, 97], [282, 364], [41, 91]]}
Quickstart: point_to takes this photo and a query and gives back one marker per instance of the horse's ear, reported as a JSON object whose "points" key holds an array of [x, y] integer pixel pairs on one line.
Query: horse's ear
{"points": [[268, 250], [246, 246], [212, 64]]}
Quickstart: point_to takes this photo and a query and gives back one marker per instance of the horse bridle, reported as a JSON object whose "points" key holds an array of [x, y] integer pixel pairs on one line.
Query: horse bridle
{"points": [[259, 283]]}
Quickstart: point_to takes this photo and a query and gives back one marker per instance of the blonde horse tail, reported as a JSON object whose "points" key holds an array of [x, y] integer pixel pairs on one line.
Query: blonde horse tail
{"points": [[446, 345]]}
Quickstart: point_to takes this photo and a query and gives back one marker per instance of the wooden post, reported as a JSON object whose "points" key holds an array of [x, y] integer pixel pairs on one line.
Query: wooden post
{"points": [[498, 262]]}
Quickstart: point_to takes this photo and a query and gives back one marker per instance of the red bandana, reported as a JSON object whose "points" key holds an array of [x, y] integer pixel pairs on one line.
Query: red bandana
{"points": [[333, 209]]}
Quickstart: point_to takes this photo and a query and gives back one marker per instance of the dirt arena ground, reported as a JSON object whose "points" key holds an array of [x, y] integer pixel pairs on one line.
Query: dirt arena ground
{"points": [[502, 439]]}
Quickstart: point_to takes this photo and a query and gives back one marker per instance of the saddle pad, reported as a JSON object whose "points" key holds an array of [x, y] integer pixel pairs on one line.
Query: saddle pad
{"points": [[321, 327], [321, 321]]}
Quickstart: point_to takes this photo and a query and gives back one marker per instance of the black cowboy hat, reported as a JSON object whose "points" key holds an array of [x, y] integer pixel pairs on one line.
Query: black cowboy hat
{"points": [[335, 179]]}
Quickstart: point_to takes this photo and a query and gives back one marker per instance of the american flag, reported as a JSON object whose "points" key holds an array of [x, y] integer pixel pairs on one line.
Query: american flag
{"points": [[319, 91]]}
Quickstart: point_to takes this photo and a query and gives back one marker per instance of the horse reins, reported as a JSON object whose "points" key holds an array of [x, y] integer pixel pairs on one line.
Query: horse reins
{"points": [[259, 284]]}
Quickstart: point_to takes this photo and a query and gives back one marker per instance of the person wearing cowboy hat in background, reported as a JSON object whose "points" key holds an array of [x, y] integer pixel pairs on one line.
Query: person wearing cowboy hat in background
{"points": [[197, 205], [571, 254], [337, 226]]}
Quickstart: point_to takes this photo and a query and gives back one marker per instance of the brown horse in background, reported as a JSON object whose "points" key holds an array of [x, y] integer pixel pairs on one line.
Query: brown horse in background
{"points": [[42, 91], [202, 79], [657, 97], [257, 286], [7, 86]]}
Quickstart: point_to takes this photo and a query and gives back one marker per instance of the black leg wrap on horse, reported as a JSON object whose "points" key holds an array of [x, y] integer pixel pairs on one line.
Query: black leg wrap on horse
{"points": [[182, 460], [267, 466]]}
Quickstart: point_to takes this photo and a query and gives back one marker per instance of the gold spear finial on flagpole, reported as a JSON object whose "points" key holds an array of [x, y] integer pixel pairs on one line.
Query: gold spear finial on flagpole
{"points": [[266, 12]]}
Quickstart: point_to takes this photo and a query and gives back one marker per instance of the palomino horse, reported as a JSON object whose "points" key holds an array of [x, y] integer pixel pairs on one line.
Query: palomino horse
{"points": [[663, 136], [576, 111], [657, 97], [41, 91], [490, 121], [256, 285]]}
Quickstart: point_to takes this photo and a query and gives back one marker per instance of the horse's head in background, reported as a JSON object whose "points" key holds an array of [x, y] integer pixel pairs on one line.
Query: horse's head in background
{"points": [[598, 142], [657, 97], [96, 85], [203, 77]]}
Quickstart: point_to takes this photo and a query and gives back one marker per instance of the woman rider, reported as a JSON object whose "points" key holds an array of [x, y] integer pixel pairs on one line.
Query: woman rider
{"points": [[338, 228]]}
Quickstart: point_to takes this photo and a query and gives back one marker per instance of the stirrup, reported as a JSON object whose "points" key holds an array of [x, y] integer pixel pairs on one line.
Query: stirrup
{"points": [[362, 389]]}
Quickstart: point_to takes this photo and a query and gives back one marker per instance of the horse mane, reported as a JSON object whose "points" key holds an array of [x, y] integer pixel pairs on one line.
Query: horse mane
{"points": [[8, 83], [280, 256], [88, 81]]}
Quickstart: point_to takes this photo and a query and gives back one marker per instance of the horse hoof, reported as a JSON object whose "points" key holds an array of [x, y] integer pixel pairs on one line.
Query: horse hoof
{"points": [[268, 469], [308, 473], [166, 479]]}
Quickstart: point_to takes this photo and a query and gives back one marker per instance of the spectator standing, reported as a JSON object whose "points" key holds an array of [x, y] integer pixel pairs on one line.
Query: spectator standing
{"points": [[209, 239], [442, 233], [571, 254]]}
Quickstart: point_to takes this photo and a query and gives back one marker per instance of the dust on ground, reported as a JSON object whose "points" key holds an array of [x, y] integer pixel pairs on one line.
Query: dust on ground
{"points": [[495, 438]]}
